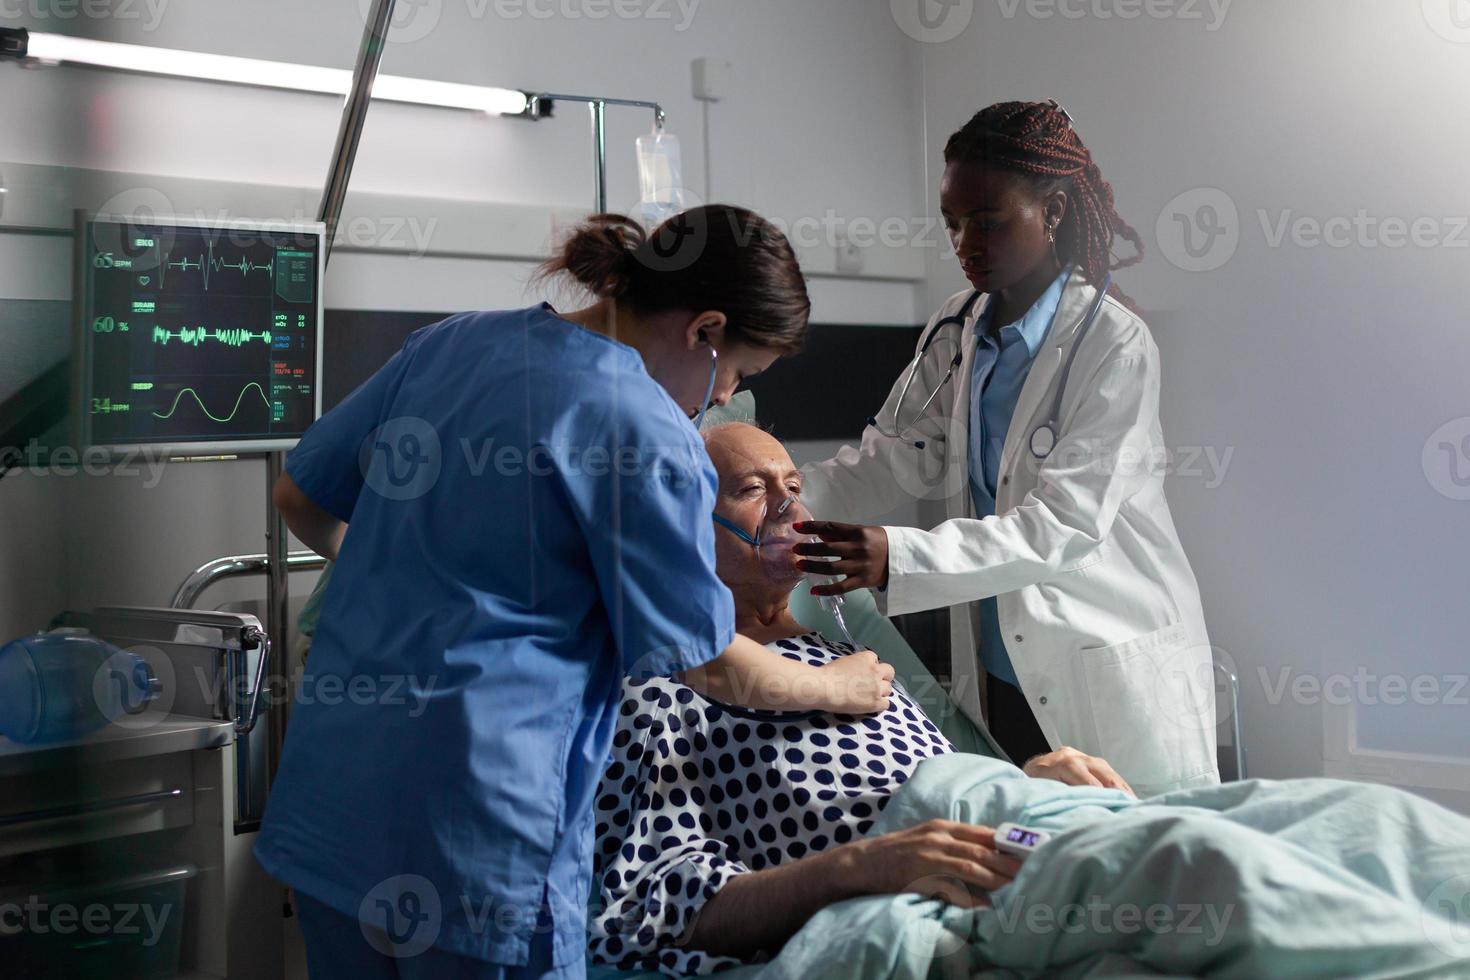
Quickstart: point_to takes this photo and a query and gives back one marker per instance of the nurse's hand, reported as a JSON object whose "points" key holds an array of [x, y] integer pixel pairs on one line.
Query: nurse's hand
{"points": [[857, 684], [1075, 768], [861, 551]]}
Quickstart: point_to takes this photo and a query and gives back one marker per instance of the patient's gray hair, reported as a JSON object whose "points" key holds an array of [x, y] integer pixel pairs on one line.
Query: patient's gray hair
{"points": [[709, 432]]}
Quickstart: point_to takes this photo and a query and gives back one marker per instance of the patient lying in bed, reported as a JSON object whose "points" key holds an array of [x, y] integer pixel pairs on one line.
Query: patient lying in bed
{"points": [[721, 832]]}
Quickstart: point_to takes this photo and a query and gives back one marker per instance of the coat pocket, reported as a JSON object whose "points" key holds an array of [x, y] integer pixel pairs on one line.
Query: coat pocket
{"points": [[1152, 706], [1091, 558]]}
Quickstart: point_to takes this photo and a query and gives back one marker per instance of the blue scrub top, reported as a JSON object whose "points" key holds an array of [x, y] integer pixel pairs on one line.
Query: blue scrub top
{"points": [[1000, 370], [528, 520]]}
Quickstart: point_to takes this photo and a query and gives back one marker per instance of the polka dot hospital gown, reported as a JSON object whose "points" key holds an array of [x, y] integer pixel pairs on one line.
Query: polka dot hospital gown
{"points": [[698, 792]]}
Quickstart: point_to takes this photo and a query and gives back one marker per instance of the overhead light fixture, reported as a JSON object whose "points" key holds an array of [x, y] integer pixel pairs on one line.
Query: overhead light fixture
{"points": [[171, 62]]}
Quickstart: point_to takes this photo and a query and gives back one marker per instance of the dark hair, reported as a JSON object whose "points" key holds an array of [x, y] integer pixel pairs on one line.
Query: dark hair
{"points": [[716, 257], [1037, 141]]}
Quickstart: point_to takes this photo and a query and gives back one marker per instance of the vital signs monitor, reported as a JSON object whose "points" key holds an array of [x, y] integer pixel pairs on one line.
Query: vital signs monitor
{"points": [[195, 337]]}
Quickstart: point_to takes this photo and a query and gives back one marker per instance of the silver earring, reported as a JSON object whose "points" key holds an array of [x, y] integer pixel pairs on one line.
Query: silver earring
{"points": [[1051, 238]]}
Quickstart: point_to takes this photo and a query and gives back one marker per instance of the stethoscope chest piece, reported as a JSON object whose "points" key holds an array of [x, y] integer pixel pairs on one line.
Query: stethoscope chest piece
{"points": [[1044, 436], [1043, 440]]}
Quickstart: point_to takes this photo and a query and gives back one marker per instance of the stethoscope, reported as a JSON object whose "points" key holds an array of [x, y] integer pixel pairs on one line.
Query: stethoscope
{"points": [[912, 372], [1044, 437], [709, 389]]}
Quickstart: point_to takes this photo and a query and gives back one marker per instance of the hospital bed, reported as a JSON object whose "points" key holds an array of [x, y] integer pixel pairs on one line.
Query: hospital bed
{"points": [[874, 631]]}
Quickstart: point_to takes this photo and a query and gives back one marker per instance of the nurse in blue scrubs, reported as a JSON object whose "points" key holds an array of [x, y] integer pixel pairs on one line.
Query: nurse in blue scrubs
{"points": [[520, 514]]}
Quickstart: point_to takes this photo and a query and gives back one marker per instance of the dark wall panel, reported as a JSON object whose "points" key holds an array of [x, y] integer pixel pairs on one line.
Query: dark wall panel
{"points": [[825, 392], [830, 388], [356, 343]]}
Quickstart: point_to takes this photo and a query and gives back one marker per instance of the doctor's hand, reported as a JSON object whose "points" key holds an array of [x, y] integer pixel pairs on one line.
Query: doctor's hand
{"points": [[861, 551], [1075, 768]]}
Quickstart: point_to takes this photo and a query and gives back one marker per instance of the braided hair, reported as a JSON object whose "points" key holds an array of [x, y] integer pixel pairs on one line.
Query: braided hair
{"points": [[1036, 140]]}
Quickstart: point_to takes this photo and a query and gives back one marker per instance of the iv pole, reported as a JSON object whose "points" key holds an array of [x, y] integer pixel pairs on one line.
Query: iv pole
{"points": [[598, 104], [277, 570]]}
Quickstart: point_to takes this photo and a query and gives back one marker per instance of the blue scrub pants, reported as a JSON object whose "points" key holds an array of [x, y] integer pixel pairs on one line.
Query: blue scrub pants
{"points": [[336, 949]]}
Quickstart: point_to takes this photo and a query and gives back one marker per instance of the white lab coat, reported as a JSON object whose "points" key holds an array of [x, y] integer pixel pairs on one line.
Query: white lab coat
{"points": [[1098, 606]]}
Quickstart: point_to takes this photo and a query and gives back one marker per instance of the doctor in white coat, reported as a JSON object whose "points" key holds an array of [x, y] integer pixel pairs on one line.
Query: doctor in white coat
{"points": [[1032, 410]]}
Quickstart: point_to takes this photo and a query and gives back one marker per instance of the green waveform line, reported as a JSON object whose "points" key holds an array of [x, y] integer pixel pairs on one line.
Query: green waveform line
{"points": [[197, 335], [239, 398], [244, 266]]}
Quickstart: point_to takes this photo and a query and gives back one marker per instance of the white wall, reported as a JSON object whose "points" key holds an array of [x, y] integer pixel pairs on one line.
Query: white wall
{"points": [[788, 141], [1327, 548], [784, 142]]}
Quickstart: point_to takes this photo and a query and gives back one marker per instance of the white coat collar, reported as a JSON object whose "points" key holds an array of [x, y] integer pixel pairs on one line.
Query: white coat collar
{"points": [[1077, 298]]}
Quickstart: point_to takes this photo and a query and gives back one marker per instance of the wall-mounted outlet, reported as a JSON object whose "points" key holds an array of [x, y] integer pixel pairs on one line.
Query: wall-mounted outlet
{"points": [[712, 78], [849, 256]]}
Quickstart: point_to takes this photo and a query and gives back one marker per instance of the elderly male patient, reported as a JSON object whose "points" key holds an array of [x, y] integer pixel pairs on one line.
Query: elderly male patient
{"points": [[699, 793], [722, 831]]}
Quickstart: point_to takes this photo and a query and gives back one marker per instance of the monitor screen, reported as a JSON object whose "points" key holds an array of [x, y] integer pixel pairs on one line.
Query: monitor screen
{"points": [[196, 338]]}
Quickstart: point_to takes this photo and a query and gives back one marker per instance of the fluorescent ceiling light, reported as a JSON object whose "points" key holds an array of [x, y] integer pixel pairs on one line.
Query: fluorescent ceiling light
{"points": [[59, 48]]}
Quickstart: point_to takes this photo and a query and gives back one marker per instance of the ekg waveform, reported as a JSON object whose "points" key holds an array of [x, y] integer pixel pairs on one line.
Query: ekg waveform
{"points": [[206, 263]]}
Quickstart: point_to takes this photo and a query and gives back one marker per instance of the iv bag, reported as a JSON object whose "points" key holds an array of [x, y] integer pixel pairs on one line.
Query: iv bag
{"points": [[660, 180]]}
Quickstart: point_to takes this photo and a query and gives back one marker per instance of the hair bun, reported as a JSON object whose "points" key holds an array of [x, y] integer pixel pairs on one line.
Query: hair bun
{"points": [[598, 254], [715, 257]]}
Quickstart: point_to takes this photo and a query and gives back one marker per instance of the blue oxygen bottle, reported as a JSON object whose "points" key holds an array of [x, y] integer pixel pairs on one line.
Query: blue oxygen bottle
{"points": [[62, 685]]}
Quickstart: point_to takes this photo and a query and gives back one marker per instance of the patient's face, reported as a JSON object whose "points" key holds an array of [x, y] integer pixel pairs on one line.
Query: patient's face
{"points": [[755, 473]]}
